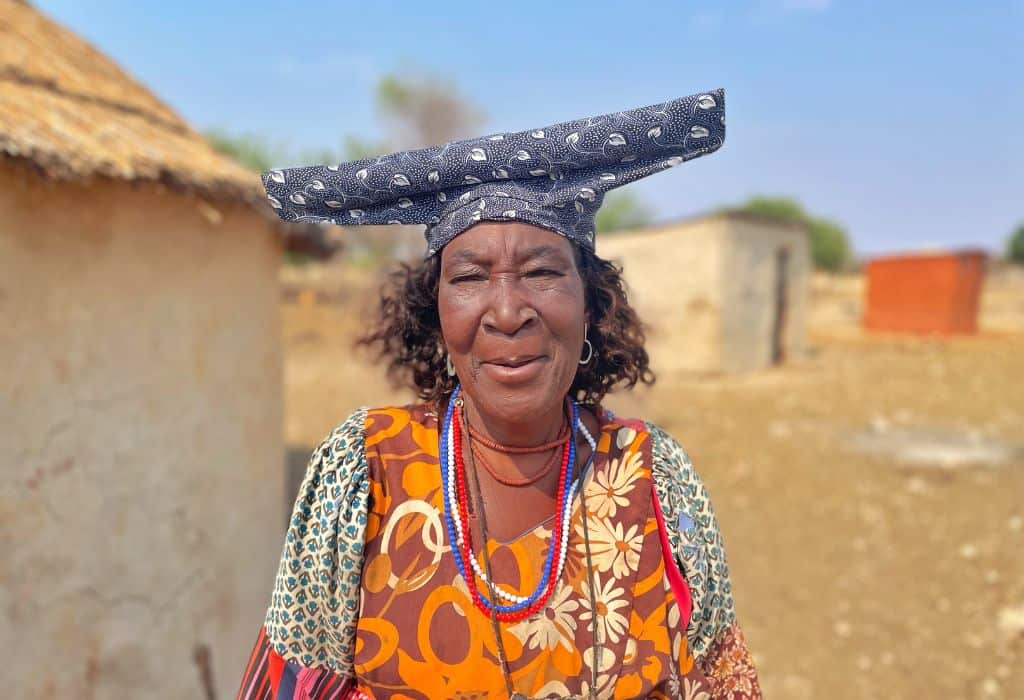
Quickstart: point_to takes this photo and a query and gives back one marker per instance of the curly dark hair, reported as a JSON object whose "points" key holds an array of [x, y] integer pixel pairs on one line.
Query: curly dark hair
{"points": [[407, 332]]}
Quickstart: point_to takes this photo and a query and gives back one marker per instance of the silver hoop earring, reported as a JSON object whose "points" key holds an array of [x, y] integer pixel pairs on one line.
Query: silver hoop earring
{"points": [[448, 364], [590, 352]]}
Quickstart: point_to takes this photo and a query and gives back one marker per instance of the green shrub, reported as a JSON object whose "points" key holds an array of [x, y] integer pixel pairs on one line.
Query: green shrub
{"points": [[621, 210], [830, 246], [1015, 246]]}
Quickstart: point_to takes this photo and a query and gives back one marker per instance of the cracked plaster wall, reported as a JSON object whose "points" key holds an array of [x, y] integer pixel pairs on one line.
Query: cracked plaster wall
{"points": [[141, 448]]}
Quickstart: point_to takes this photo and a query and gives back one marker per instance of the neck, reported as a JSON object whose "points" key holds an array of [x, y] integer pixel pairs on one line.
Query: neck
{"points": [[534, 430]]}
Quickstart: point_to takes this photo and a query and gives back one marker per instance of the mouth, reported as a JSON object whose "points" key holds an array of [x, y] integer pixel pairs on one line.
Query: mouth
{"points": [[514, 369], [513, 361]]}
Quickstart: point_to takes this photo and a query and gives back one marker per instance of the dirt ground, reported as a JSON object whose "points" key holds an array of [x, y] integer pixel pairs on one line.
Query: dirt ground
{"points": [[856, 575]]}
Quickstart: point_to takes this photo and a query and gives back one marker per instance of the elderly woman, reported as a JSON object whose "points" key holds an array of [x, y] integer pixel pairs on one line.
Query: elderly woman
{"points": [[506, 537]]}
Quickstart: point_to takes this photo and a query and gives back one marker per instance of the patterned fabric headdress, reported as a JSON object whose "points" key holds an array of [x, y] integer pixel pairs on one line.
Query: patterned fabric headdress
{"points": [[554, 177]]}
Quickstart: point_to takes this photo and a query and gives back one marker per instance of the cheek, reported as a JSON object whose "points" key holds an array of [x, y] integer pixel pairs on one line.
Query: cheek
{"points": [[565, 317], [572, 306], [458, 317]]}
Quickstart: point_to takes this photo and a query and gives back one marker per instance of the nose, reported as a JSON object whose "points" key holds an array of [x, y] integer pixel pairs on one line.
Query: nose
{"points": [[508, 311]]}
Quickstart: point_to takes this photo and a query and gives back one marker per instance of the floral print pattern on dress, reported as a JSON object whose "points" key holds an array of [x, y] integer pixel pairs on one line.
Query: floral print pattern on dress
{"points": [[419, 633], [730, 667], [315, 605]]}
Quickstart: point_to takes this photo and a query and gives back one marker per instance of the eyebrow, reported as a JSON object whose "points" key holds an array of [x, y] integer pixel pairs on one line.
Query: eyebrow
{"points": [[541, 251]]}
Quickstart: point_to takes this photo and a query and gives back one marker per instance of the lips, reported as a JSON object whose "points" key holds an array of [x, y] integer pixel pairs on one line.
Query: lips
{"points": [[514, 369], [513, 361]]}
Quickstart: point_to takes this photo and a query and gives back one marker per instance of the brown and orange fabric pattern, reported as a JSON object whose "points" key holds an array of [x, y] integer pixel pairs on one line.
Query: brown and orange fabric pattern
{"points": [[417, 633]]}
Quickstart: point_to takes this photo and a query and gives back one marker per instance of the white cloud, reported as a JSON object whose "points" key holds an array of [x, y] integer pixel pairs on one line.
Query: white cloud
{"points": [[771, 11], [806, 5], [705, 21]]}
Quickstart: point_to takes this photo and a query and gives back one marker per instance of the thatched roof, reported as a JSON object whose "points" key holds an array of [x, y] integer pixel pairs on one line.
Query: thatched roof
{"points": [[73, 113]]}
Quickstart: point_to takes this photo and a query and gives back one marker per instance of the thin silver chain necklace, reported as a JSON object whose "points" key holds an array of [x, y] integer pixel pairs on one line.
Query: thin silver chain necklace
{"points": [[502, 658]]}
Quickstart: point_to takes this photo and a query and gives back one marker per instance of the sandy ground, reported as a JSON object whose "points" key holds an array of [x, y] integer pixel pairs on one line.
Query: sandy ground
{"points": [[856, 575]]}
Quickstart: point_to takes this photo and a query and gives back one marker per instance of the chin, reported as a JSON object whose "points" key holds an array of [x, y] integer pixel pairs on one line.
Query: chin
{"points": [[516, 404]]}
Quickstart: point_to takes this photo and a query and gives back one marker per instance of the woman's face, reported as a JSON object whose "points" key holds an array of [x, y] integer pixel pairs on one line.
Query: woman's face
{"points": [[512, 313]]}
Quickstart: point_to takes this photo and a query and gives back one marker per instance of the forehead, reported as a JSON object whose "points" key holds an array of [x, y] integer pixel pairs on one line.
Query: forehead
{"points": [[508, 240]]}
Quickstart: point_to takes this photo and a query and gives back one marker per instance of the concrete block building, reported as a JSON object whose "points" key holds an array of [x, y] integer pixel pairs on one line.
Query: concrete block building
{"points": [[724, 292]]}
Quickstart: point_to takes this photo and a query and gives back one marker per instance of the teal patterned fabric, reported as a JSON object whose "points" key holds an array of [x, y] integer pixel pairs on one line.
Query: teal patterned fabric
{"points": [[315, 605], [694, 535]]}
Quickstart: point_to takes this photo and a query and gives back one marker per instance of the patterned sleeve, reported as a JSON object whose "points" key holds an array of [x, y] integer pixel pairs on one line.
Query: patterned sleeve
{"points": [[713, 633], [308, 636]]}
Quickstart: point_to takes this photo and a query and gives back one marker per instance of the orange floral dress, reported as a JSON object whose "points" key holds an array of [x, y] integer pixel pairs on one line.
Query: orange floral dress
{"points": [[419, 634], [368, 602]]}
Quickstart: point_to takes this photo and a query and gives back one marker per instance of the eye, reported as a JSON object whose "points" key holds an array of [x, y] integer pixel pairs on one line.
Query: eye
{"points": [[471, 277], [543, 272]]}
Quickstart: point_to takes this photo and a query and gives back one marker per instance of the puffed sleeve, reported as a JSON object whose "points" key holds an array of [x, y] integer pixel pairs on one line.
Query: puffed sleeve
{"points": [[713, 633], [308, 635]]}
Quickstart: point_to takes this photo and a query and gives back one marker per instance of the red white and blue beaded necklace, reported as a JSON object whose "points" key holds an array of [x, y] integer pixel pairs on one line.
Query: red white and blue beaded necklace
{"points": [[453, 479]]}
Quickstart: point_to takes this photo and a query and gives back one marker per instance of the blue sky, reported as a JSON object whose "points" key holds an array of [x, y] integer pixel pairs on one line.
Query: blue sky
{"points": [[902, 121]]}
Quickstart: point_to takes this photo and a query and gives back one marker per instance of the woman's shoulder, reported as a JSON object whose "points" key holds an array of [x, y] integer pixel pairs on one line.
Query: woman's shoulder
{"points": [[677, 482], [664, 447], [399, 423], [345, 435], [420, 412], [365, 426], [670, 461], [367, 418], [340, 457]]}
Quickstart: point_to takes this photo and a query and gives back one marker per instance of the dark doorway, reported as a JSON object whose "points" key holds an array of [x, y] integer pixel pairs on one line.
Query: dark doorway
{"points": [[779, 326], [296, 463]]}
